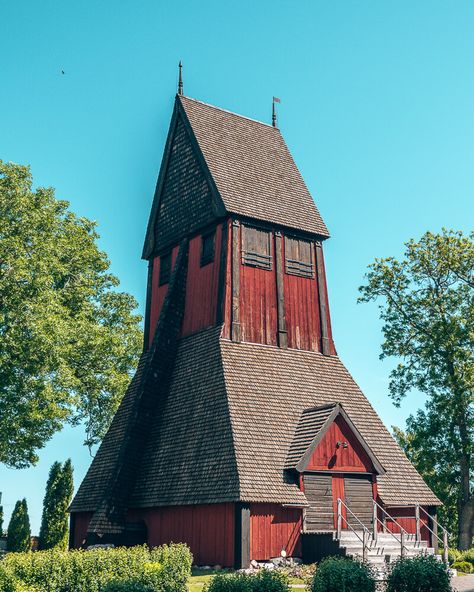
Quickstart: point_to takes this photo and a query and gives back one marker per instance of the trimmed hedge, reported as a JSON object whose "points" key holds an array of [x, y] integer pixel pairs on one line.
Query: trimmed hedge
{"points": [[335, 574], [423, 573], [163, 569], [262, 581]]}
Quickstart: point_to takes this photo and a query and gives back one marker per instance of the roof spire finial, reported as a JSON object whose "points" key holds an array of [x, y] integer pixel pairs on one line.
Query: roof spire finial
{"points": [[274, 114], [180, 83]]}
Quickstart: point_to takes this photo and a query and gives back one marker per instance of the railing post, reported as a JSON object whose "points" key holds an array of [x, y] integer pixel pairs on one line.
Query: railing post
{"points": [[364, 544], [445, 547], [339, 518], [374, 520], [402, 543], [418, 528]]}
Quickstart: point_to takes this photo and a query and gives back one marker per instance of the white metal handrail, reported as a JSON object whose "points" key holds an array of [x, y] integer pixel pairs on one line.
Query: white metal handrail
{"points": [[443, 540], [365, 531]]}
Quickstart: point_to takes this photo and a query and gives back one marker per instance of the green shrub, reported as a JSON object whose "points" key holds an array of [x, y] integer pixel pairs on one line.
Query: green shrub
{"points": [[175, 566], [463, 566], [126, 586], [164, 569], [7, 581], [262, 581], [453, 555], [423, 573], [335, 574], [466, 556]]}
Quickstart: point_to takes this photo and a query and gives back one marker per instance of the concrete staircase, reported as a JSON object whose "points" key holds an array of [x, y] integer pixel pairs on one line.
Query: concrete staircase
{"points": [[382, 551]]}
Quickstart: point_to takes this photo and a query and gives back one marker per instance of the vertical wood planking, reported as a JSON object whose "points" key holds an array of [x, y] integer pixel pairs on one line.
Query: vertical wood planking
{"points": [[208, 529], [279, 264], [328, 457], [258, 303], [158, 293], [273, 528], [202, 287], [236, 328]]}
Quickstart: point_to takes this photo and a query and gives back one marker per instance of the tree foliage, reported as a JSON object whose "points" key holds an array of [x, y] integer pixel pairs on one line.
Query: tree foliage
{"points": [[1, 521], [54, 521], [428, 313], [19, 532], [68, 339]]}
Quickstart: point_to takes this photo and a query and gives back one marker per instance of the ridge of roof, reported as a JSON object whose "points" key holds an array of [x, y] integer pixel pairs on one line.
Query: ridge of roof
{"points": [[180, 97]]}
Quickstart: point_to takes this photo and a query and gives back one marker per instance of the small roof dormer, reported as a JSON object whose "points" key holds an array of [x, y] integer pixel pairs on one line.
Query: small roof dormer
{"points": [[313, 426]]}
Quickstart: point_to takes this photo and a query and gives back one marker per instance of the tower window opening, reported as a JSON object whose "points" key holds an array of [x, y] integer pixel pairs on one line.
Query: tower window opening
{"points": [[208, 241], [256, 247], [299, 257]]}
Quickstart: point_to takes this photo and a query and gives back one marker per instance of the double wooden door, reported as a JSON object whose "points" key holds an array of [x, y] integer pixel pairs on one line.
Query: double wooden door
{"points": [[322, 491]]}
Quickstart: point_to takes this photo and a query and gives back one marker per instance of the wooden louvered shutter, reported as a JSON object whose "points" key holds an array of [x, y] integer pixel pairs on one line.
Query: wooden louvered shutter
{"points": [[359, 498], [256, 248], [299, 257], [318, 492]]}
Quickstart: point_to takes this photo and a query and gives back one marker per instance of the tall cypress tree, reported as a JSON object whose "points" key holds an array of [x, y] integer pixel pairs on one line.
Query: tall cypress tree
{"points": [[54, 521], [1, 521], [19, 532]]}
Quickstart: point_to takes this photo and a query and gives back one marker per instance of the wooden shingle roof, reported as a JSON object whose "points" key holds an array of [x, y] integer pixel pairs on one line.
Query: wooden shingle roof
{"points": [[224, 431], [248, 167], [269, 387]]}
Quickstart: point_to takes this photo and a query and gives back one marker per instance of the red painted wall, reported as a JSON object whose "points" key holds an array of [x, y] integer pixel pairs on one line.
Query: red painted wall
{"points": [[158, 293], [328, 457], [201, 287], [79, 523], [273, 528], [405, 517], [303, 322], [329, 325], [207, 529], [338, 492], [258, 303]]}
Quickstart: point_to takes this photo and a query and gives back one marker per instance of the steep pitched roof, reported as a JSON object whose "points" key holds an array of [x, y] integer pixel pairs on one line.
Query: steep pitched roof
{"points": [[269, 387], [226, 427], [248, 167]]}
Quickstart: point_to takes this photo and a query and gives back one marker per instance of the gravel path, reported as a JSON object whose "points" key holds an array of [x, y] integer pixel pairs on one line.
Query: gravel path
{"points": [[464, 584]]}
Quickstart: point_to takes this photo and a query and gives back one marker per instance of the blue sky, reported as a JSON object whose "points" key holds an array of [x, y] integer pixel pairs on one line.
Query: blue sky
{"points": [[377, 108]]}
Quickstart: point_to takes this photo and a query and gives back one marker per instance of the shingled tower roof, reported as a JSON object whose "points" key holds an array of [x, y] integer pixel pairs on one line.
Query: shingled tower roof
{"points": [[251, 172]]}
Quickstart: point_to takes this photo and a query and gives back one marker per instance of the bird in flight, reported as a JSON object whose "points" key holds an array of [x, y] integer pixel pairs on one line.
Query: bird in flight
{"points": [[63, 72]]}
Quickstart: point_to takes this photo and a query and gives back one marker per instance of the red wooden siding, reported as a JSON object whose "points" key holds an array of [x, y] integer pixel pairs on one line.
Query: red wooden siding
{"points": [[158, 293], [328, 457], [329, 326], [258, 303], [273, 528], [201, 287], [302, 317], [338, 493], [79, 523], [405, 517], [228, 284], [207, 529]]}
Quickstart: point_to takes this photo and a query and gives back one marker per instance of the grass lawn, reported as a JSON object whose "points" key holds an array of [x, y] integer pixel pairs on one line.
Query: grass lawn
{"points": [[200, 577]]}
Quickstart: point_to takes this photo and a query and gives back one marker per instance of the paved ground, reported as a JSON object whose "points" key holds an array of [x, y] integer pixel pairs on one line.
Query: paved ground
{"points": [[464, 584]]}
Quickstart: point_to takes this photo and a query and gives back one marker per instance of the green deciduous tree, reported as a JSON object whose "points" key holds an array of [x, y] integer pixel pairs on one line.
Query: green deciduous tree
{"points": [[428, 313], [55, 518], [19, 533], [68, 339]]}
